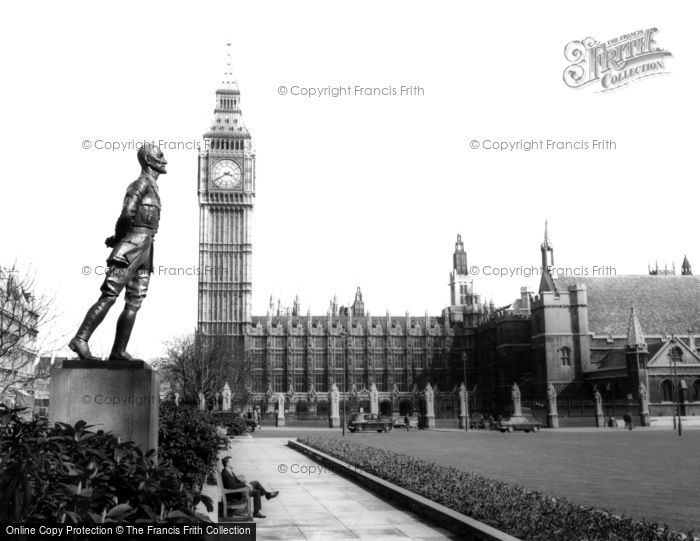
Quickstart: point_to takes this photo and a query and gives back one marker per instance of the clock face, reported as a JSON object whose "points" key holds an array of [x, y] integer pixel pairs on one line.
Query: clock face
{"points": [[226, 174]]}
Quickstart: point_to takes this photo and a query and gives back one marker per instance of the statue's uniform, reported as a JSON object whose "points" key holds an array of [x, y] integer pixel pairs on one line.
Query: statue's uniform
{"points": [[130, 263]]}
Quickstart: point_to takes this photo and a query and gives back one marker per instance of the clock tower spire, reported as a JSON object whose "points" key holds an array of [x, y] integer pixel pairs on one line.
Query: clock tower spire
{"points": [[226, 189]]}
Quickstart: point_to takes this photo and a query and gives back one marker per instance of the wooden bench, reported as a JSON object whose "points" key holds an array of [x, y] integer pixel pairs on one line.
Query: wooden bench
{"points": [[243, 508]]}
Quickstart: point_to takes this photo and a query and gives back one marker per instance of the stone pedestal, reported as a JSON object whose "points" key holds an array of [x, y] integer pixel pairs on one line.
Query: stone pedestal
{"points": [[429, 407], [373, 400], [226, 396], [598, 399], [552, 412], [463, 407], [279, 419], [121, 397], [515, 397], [334, 417], [643, 405]]}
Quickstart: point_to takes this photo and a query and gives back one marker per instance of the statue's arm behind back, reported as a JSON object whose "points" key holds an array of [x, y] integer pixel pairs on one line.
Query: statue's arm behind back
{"points": [[132, 199]]}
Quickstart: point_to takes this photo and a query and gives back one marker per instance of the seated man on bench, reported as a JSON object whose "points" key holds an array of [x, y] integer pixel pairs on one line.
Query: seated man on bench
{"points": [[230, 480]]}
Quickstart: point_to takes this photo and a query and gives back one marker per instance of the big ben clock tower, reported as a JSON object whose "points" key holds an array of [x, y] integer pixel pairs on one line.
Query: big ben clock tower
{"points": [[226, 188]]}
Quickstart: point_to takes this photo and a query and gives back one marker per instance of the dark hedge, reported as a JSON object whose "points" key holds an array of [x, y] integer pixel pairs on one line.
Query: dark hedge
{"points": [[526, 514]]}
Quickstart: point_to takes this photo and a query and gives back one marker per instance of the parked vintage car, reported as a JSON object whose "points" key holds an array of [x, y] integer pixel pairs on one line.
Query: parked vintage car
{"points": [[369, 421], [511, 424], [398, 422]]}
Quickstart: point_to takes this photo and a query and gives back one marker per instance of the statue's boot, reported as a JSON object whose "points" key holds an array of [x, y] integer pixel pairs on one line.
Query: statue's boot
{"points": [[93, 318], [125, 324]]}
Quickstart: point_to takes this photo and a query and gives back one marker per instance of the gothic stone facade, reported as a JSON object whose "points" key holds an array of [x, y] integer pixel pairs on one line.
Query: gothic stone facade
{"points": [[574, 334]]}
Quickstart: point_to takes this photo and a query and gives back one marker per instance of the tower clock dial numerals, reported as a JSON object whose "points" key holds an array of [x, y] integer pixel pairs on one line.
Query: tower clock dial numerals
{"points": [[226, 174]]}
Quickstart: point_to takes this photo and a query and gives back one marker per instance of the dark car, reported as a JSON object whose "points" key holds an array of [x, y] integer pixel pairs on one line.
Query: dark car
{"points": [[369, 421], [511, 424]]}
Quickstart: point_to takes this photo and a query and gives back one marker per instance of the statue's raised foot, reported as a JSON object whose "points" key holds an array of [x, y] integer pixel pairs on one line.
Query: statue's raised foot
{"points": [[80, 346]]}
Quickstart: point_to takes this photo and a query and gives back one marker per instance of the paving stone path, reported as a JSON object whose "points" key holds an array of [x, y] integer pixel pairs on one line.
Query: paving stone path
{"points": [[316, 504]]}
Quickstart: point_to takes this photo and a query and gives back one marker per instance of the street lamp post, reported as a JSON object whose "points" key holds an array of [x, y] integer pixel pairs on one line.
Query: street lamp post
{"points": [[344, 337], [466, 394], [676, 395]]}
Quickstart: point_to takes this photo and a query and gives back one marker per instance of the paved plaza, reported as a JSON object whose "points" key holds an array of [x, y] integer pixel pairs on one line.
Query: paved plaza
{"points": [[317, 504]]}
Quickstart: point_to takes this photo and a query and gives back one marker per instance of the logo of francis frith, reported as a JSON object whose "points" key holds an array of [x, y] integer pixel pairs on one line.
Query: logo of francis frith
{"points": [[614, 63]]}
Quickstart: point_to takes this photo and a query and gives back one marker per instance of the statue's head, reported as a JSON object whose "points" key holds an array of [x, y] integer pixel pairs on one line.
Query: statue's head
{"points": [[150, 155]]}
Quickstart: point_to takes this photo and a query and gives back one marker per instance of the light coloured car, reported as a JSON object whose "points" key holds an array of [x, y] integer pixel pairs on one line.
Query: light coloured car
{"points": [[511, 424]]}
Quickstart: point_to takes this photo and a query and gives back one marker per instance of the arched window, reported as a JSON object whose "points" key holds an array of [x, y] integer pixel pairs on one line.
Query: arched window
{"points": [[696, 391], [667, 390], [565, 356]]}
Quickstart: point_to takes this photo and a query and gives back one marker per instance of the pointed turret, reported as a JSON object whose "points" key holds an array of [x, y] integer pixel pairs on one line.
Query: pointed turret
{"points": [[358, 305], [685, 268], [460, 293], [228, 119], [547, 250], [635, 336], [637, 355], [459, 258]]}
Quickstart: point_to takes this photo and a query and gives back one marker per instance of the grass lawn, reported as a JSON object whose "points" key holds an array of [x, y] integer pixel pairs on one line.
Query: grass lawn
{"points": [[642, 474]]}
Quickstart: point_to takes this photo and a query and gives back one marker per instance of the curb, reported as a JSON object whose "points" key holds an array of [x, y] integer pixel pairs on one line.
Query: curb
{"points": [[469, 528]]}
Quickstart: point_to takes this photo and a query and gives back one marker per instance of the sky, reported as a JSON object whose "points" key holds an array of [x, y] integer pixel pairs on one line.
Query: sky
{"points": [[355, 190]]}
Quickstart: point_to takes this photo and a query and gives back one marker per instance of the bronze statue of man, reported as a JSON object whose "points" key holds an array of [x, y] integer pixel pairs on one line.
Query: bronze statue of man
{"points": [[130, 263]]}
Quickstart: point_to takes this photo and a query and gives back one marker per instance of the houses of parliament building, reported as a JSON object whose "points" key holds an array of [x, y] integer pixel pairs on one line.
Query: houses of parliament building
{"points": [[581, 335]]}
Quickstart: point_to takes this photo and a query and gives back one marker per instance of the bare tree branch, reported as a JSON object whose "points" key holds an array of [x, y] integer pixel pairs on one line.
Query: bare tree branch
{"points": [[23, 313], [192, 364]]}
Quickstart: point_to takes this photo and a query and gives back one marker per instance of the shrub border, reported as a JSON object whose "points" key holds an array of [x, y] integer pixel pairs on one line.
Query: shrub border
{"points": [[471, 529]]}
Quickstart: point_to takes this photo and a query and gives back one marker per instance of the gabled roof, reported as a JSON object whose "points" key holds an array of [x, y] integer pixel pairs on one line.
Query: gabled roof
{"points": [[664, 304], [660, 356]]}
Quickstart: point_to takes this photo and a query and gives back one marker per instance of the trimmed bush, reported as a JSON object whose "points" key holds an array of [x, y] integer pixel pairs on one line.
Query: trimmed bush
{"points": [[232, 421], [526, 514], [187, 439], [72, 474]]}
